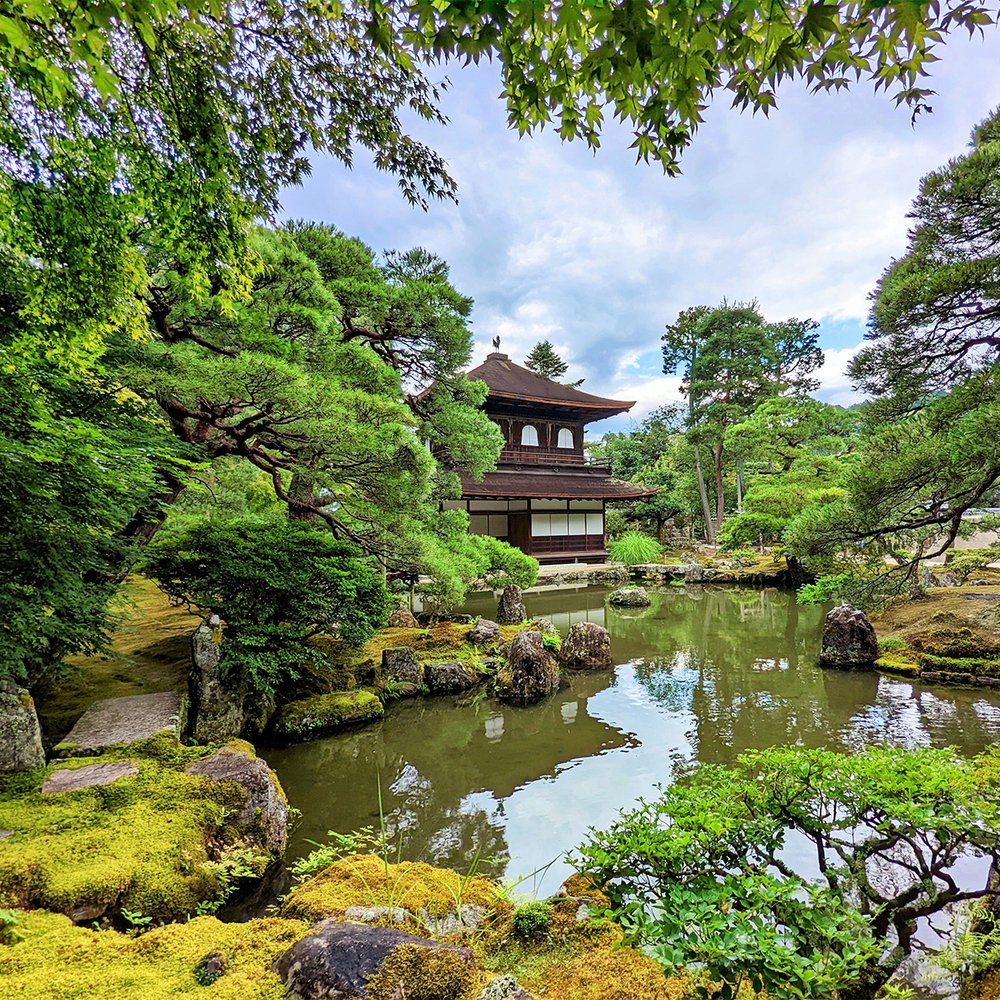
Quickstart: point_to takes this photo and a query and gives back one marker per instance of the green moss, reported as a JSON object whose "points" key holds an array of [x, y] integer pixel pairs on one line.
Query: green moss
{"points": [[366, 880], [58, 959], [891, 644], [532, 920], [154, 843], [892, 665], [959, 665], [150, 652], [327, 713], [445, 642], [423, 974]]}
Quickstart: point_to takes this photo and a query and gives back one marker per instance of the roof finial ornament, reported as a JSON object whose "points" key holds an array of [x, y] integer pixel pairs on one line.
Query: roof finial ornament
{"points": [[496, 344]]}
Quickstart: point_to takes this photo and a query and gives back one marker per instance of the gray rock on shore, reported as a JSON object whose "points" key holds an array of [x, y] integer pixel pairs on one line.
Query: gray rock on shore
{"points": [[264, 815], [216, 699], [119, 721], [485, 633], [849, 640], [511, 610], [401, 666], [336, 959], [451, 677], [20, 734]]}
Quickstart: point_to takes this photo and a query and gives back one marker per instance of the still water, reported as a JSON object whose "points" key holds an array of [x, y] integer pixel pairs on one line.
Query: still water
{"points": [[702, 675]]}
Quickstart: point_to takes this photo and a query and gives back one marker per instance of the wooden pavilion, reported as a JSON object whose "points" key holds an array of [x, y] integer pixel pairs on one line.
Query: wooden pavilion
{"points": [[546, 497]]}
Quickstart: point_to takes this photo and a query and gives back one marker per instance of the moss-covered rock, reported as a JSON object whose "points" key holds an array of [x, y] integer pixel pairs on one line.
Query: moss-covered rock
{"points": [[897, 665], [323, 714], [57, 959], [420, 973], [609, 974], [530, 673], [349, 960], [366, 880], [159, 842]]}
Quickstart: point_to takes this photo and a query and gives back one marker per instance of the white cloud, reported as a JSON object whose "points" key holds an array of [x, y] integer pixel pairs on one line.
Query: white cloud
{"points": [[801, 211], [834, 382]]}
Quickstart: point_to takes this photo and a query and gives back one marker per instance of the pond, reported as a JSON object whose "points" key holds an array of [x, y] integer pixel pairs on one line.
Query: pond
{"points": [[702, 675]]}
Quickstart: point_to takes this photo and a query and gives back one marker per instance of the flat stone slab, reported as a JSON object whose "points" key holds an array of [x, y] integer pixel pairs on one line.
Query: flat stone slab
{"points": [[114, 721], [69, 779]]}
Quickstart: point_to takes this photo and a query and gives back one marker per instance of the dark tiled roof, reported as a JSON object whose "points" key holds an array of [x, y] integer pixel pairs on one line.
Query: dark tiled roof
{"points": [[554, 484], [509, 381]]}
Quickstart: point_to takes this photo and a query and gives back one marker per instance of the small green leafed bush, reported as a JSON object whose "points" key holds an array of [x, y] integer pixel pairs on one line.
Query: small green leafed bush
{"points": [[532, 920]]}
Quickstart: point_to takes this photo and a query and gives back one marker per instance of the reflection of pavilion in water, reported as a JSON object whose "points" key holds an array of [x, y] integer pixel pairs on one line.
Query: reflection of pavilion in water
{"points": [[563, 606], [444, 774]]}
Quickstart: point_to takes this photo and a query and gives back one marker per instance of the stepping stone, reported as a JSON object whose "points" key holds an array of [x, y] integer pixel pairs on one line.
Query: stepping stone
{"points": [[114, 721], [69, 779]]}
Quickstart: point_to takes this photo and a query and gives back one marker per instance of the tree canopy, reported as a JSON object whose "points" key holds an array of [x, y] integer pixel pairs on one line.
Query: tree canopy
{"points": [[935, 317], [731, 359], [543, 360], [185, 121], [705, 873]]}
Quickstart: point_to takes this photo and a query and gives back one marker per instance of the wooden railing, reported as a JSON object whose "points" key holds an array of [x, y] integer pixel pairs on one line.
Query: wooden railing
{"points": [[546, 456], [566, 543]]}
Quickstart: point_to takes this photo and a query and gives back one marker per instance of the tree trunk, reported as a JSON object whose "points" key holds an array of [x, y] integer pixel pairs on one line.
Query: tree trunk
{"points": [[720, 490], [302, 489], [706, 510]]}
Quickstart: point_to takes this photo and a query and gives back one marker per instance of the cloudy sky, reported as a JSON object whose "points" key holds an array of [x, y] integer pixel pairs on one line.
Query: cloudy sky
{"points": [[801, 211]]}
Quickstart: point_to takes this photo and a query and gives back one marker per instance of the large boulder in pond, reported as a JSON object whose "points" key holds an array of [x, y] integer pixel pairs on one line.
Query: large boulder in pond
{"points": [[485, 633], [451, 677], [343, 960], [694, 573], [511, 610], [217, 697], [849, 640], [20, 734], [530, 673], [629, 597], [263, 816], [587, 647]]}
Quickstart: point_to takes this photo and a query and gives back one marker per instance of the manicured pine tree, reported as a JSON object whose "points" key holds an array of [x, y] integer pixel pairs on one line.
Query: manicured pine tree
{"points": [[544, 361]]}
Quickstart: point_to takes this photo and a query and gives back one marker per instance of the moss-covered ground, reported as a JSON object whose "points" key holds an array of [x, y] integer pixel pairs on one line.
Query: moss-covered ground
{"points": [[159, 843], [952, 633], [150, 652], [57, 959], [367, 880]]}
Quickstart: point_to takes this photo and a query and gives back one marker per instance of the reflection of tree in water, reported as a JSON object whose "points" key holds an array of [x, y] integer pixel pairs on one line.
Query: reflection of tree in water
{"points": [[444, 772], [908, 715], [743, 662], [736, 668]]}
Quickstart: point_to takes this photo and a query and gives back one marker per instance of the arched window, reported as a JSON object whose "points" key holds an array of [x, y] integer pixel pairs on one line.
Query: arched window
{"points": [[529, 435], [565, 439]]}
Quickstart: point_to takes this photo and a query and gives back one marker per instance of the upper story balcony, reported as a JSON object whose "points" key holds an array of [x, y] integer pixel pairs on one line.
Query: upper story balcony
{"points": [[526, 455]]}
